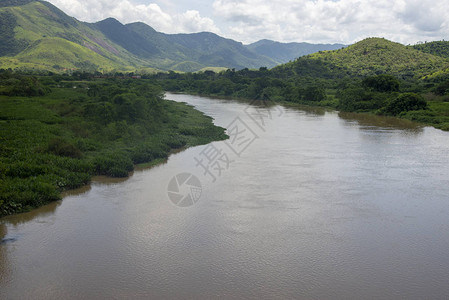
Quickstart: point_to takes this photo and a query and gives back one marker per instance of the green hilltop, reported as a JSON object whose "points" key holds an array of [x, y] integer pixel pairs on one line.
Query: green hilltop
{"points": [[371, 56], [439, 48]]}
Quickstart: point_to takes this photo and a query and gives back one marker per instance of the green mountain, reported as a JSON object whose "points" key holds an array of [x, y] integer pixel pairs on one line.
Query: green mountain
{"points": [[213, 50], [371, 56], [439, 48], [285, 52], [37, 35], [127, 38], [183, 52]]}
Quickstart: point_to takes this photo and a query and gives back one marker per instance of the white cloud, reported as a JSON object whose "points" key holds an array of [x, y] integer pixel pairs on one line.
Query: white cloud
{"points": [[126, 12], [329, 21], [343, 21], [191, 21]]}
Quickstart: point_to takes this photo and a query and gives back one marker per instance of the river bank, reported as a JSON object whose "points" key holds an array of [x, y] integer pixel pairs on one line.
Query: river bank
{"points": [[57, 141]]}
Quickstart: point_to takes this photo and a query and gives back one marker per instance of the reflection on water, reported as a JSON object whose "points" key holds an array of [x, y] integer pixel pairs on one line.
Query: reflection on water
{"points": [[4, 265], [41, 212], [3, 231], [368, 121], [322, 205], [310, 110]]}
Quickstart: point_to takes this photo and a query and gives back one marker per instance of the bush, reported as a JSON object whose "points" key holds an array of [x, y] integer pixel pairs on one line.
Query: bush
{"points": [[382, 83], [61, 147], [442, 89], [174, 141], [147, 153], [28, 87], [314, 93], [423, 116], [114, 164], [405, 102], [24, 169]]}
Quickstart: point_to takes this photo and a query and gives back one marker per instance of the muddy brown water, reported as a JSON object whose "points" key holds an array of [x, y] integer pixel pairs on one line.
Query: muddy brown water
{"points": [[298, 204]]}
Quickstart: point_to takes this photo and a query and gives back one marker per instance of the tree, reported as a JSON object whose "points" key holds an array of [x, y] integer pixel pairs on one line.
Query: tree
{"points": [[29, 87], [405, 102], [314, 93], [381, 83], [442, 88]]}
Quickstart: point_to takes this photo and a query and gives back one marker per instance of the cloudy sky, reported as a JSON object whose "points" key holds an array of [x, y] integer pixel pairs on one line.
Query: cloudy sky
{"points": [[315, 21]]}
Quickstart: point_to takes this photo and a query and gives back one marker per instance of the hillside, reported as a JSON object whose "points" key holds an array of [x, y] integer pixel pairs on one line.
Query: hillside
{"points": [[213, 50], [439, 48], [285, 52], [369, 57], [182, 52], [37, 35]]}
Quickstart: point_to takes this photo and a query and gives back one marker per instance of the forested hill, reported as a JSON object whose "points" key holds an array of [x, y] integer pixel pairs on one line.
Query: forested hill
{"points": [[439, 48], [371, 56]]}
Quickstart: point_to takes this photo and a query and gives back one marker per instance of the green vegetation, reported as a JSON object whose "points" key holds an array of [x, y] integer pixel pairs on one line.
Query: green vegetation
{"points": [[404, 103], [374, 75], [439, 48], [372, 56], [5, 3], [9, 45], [37, 35], [55, 52], [58, 131]]}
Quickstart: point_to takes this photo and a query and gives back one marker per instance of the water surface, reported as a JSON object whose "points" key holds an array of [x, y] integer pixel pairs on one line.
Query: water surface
{"points": [[319, 205]]}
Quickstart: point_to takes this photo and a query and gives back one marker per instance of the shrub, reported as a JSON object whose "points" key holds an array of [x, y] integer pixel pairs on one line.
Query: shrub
{"points": [[114, 164], [382, 83], [405, 102], [61, 147], [29, 87], [442, 89]]}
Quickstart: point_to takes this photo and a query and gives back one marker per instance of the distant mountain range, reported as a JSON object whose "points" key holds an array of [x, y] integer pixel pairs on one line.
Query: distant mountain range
{"points": [[182, 52], [37, 35], [285, 52]]}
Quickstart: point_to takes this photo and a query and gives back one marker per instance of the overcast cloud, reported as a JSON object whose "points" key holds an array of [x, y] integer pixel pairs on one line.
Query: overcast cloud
{"points": [[319, 21]]}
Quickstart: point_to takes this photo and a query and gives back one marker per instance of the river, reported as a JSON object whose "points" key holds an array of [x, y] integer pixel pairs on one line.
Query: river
{"points": [[299, 203]]}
